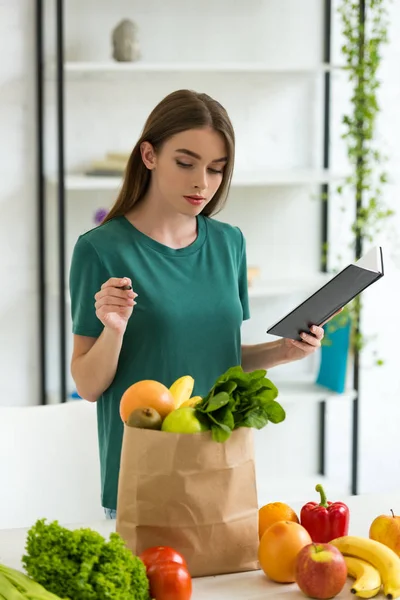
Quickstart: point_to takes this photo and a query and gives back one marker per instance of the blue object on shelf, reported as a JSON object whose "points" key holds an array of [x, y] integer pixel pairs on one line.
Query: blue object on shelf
{"points": [[75, 396], [334, 354]]}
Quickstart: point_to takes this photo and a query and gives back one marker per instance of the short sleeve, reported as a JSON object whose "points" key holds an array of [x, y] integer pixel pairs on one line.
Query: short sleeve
{"points": [[86, 276], [243, 282]]}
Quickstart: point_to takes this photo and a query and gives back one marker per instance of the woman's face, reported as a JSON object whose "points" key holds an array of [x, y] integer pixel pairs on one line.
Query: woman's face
{"points": [[188, 170]]}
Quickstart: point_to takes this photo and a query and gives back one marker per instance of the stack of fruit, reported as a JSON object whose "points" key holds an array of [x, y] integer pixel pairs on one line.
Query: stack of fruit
{"points": [[237, 399], [306, 550], [149, 404]]}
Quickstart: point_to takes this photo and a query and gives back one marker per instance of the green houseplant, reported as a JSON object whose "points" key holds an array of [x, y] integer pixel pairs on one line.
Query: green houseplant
{"points": [[365, 30]]}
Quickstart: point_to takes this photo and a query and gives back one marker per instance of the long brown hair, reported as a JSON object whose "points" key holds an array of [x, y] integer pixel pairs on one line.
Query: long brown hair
{"points": [[177, 112]]}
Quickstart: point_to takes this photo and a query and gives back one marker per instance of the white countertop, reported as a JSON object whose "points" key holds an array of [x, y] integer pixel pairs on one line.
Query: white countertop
{"points": [[239, 586]]}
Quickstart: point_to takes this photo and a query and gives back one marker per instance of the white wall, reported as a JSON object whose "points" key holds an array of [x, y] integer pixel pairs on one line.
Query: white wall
{"points": [[277, 123], [18, 265]]}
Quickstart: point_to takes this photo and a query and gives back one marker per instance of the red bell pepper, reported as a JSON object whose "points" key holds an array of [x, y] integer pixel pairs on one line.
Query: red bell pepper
{"points": [[325, 521]]}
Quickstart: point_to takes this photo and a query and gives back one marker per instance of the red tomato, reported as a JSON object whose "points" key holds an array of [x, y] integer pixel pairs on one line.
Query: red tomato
{"points": [[169, 581], [156, 554]]}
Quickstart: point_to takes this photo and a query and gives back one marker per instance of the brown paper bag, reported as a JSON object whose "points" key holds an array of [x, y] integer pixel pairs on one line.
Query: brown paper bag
{"points": [[193, 494]]}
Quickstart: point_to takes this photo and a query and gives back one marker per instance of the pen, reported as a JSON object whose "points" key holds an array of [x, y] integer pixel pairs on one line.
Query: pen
{"points": [[125, 287]]}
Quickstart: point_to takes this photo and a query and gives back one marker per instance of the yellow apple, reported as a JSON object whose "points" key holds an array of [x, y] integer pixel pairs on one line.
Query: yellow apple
{"points": [[386, 529]]}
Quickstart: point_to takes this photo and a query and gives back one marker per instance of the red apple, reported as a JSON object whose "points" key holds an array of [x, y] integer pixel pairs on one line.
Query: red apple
{"points": [[321, 571]]}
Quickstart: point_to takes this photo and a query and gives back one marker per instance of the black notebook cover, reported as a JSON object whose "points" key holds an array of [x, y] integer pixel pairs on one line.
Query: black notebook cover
{"points": [[330, 298]]}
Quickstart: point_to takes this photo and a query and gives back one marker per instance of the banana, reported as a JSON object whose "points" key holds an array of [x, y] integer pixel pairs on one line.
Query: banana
{"points": [[182, 389], [192, 401], [378, 555], [367, 582]]}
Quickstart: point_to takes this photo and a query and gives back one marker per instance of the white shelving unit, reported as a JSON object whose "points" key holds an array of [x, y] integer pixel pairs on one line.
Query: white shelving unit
{"points": [[269, 178], [77, 69], [259, 90]]}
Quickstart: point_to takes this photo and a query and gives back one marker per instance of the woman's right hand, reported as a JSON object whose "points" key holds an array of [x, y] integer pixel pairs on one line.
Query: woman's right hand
{"points": [[113, 305]]}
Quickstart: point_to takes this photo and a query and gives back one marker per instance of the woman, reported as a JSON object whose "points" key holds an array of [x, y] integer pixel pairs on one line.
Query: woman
{"points": [[188, 273]]}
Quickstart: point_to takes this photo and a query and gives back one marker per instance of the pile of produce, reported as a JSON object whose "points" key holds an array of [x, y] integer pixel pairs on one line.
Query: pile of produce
{"points": [[64, 564], [67, 564], [317, 553], [237, 399]]}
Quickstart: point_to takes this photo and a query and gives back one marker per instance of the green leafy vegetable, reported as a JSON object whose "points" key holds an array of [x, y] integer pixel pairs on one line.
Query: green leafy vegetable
{"points": [[240, 399], [16, 585], [217, 401], [81, 565]]}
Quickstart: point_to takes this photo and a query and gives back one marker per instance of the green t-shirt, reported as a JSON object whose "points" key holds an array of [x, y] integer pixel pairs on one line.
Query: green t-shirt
{"points": [[190, 307]]}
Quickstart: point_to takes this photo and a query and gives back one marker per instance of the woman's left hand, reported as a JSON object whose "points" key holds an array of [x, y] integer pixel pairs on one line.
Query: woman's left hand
{"points": [[310, 342]]}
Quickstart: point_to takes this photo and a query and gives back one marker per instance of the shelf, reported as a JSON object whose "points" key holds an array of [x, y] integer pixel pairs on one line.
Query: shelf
{"points": [[304, 389], [82, 183], [285, 177], [267, 178], [289, 285], [79, 69]]}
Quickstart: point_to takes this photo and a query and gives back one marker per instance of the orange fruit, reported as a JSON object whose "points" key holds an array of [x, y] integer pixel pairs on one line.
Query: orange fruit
{"points": [[273, 512], [278, 550], [146, 394]]}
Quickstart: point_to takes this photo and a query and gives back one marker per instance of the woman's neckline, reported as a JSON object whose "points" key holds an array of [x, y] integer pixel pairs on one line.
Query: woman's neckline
{"points": [[163, 248]]}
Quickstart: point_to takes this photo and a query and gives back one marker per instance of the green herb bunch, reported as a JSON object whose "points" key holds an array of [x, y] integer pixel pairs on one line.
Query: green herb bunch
{"points": [[239, 399]]}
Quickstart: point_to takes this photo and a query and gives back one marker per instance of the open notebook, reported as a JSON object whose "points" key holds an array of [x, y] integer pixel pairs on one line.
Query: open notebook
{"points": [[332, 296]]}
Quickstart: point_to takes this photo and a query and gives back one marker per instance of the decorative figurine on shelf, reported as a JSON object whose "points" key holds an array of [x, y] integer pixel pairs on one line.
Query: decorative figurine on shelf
{"points": [[99, 215], [125, 44]]}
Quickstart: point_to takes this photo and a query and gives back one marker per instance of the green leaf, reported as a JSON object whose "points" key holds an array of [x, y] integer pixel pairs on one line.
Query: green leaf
{"points": [[276, 413], [257, 374], [235, 400], [228, 386], [256, 417], [268, 393], [220, 434], [254, 386], [221, 399], [232, 373], [221, 420], [224, 416], [244, 406]]}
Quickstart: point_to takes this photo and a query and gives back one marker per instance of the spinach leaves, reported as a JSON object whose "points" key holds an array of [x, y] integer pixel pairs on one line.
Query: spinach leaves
{"points": [[239, 399]]}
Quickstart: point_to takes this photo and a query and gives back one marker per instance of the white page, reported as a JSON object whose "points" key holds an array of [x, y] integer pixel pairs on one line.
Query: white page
{"points": [[371, 261]]}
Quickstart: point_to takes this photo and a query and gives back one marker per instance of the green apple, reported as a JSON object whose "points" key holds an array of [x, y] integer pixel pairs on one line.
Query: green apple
{"points": [[183, 420]]}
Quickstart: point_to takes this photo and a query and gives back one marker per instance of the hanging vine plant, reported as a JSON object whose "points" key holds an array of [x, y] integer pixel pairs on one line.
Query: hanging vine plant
{"points": [[365, 31]]}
